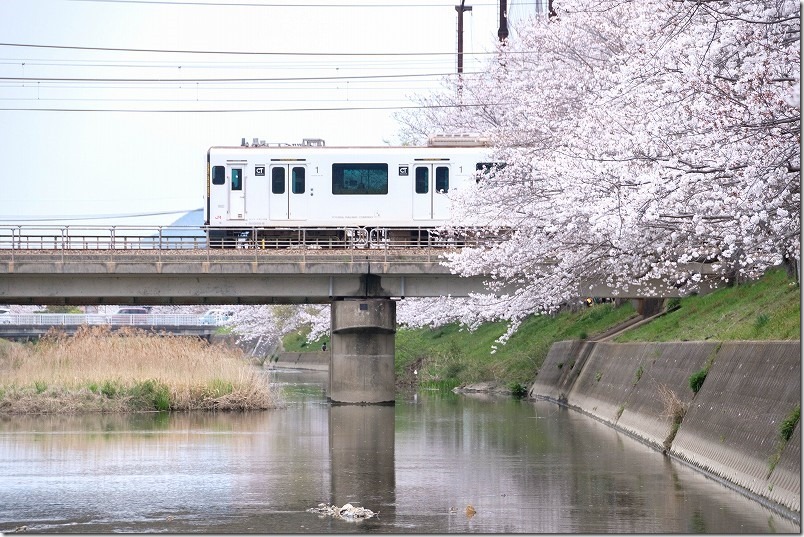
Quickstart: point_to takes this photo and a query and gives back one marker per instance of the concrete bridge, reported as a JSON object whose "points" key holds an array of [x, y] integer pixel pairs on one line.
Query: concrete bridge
{"points": [[87, 277], [362, 282]]}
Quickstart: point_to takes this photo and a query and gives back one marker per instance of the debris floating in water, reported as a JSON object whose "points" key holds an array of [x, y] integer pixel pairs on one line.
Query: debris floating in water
{"points": [[347, 512]]}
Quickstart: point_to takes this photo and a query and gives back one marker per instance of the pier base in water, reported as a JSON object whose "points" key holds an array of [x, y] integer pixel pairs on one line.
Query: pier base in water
{"points": [[361, 367]]}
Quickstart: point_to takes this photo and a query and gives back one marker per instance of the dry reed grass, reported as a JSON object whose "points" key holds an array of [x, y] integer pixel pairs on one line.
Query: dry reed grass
{"points": [[674, 408], [128, 370]]}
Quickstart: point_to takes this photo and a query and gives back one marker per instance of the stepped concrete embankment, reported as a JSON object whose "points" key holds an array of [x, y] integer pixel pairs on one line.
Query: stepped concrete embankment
{"points": [[729, 429], [317, 361]]}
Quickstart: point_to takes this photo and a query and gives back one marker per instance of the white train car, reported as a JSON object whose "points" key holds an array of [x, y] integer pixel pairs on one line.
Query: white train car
{"points": [[270, 194]]}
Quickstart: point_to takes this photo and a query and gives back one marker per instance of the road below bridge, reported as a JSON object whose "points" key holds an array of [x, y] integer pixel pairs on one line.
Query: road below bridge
{"points": [[34, 325]]}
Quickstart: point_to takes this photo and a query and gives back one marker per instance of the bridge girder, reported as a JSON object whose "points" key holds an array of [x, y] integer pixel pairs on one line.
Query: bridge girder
{"points": [[66, 277]]}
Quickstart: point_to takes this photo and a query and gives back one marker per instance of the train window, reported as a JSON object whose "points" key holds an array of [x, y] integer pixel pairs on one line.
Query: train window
{"points": [[297, 180], [442, 179], [278, 180], [422, 180], [360, 178], [237, 179], [218, 175]]}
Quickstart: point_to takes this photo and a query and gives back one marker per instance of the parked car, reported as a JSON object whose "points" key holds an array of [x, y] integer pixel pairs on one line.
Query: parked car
{"points": [[130, 316], [215, 316]]}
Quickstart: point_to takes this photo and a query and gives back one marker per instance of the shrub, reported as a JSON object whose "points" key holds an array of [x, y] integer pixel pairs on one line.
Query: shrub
{"points": [[109, 389], [786, 429], [761, 320], [697, 379], [151, 394], [453, 370], [789, 424], [638, 374], [518, 390]]}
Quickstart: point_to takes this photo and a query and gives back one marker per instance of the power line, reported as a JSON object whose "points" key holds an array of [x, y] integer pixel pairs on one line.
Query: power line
{"points": [[252, 110], [232, 52], [233, 79], [283, 5], [227, 64]]}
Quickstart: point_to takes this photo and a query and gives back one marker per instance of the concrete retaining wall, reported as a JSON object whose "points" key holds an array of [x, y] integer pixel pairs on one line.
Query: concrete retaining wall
{"points": [[562, 366], [731, 426], [318, 361]]}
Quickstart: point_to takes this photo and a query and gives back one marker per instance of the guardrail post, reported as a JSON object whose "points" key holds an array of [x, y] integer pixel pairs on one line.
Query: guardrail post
{"points": [[14, 242]]}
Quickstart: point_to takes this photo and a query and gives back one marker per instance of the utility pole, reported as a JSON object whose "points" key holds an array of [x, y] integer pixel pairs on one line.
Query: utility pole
{"points": [[460, 9], [502, 33]]}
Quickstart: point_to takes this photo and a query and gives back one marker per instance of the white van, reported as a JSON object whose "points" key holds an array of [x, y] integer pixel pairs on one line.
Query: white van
{"points": [[215, 316]]}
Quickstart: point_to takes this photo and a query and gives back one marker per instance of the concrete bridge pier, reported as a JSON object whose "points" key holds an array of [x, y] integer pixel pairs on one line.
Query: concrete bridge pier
{"points": [[361, 366]]}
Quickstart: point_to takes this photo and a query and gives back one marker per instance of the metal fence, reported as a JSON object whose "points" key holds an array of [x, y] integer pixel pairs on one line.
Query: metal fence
{"points": [[133, 319], [101, 238], [160, 238]]}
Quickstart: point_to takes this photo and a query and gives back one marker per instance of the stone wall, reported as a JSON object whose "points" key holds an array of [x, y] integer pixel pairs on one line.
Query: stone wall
{"points": [[731, 426]]}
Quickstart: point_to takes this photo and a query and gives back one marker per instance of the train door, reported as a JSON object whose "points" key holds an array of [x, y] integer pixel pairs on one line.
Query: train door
{"points": [[237, 197], [288, 184], [430, 186]]}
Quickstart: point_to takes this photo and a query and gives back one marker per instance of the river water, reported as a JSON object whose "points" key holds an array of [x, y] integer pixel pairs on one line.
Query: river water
{"points": [[524, 467]]}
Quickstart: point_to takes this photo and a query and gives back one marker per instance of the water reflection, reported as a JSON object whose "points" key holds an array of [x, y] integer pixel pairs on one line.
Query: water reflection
{"points": [[524, 466], [361, 447]]}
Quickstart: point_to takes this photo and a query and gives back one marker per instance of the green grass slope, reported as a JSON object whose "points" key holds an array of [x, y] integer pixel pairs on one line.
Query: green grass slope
{"points": [[769, 308], [450, 355]]}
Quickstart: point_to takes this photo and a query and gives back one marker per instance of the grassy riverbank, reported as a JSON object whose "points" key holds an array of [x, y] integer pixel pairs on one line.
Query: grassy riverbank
{"points": [[127, 371], [449, 356], [766, 309]]}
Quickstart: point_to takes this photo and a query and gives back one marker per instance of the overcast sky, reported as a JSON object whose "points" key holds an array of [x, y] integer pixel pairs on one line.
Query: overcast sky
{"points": [[111, 106]]}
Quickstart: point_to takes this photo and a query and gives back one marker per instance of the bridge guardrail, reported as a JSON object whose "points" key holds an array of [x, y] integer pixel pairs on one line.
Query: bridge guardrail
{"points": [[117, 319], [35, 237], [171, 243]]}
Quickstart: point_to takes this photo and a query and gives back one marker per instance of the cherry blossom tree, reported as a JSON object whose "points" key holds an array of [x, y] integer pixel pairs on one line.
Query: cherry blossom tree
{"points": [[269, 323], [640, 139]]}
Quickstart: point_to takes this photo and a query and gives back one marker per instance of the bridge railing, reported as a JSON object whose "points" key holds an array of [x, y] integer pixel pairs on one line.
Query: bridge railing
{"points": [[102, 238], [117, 319], [127, 238]]}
